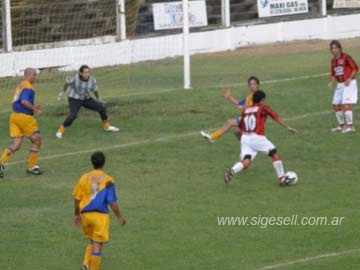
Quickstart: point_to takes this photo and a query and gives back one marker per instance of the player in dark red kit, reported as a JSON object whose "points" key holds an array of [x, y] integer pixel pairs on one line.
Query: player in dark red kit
{"points": [[343, 70], [253, 140]]}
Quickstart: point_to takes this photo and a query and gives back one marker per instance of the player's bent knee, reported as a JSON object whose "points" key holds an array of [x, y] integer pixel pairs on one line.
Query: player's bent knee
{"points": [[100, 108], [97, 247], [36, 138], [38, 143], [272, 152], [15, 147], [246, 161], [247, 157], [16, 144]]}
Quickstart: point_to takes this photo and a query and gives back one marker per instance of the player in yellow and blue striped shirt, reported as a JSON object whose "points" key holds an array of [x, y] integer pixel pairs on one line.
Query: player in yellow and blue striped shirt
{"points": [[94, 192], [253, 83], [23, 123]]}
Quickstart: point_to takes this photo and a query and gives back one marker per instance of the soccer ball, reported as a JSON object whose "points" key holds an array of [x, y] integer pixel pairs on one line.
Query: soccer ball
{"points": [[291, 178]]}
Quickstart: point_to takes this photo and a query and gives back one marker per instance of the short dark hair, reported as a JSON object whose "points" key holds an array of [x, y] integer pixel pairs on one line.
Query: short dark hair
{"points": [[258, 96], [98, 159], [83, 67], [253, 78], [336, 43]]}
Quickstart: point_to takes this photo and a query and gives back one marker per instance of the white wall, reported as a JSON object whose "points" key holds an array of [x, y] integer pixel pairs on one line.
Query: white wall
{"points": [[126, 52]]}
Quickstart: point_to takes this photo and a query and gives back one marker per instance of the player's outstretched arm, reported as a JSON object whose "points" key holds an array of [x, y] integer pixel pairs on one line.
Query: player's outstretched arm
{"points": [[282, 123], [97, 95], [98, 99], [62, 92], [227, 94], [115, 208]]}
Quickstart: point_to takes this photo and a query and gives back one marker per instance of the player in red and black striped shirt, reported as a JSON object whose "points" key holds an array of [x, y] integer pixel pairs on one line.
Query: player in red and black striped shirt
{"points": [[253, 140], [343, 70]]}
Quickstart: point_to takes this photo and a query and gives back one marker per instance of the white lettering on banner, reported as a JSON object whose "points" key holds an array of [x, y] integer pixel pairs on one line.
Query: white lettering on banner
{"points": [[170, 15], [268, 8]]}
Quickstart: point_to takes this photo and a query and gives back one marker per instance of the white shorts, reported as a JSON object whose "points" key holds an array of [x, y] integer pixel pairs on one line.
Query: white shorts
{"points": [[253, 143], [346, 94]]}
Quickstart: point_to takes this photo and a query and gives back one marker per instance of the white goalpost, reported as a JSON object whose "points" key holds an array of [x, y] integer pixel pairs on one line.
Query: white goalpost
{"points": [[6, 25], [178, 17], [120, 19], [186, 48]]}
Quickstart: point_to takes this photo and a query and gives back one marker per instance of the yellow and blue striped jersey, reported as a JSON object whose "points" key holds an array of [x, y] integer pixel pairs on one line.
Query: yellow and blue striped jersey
{"points": [[95, 190], [247, 101], [23, 92]]}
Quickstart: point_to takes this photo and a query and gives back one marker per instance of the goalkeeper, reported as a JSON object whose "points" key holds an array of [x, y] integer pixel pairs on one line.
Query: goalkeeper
{"points": [[78, 89]]}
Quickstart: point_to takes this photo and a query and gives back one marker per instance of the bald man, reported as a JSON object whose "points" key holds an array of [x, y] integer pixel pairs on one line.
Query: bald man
{"points": [[23, 123]]}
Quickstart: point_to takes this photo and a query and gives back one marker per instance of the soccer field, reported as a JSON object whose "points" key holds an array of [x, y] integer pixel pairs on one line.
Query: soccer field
{"points": [[170, 180]]}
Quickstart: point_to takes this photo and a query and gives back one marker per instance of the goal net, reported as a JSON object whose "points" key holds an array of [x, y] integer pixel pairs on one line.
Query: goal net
{"points": [[56, 37]]}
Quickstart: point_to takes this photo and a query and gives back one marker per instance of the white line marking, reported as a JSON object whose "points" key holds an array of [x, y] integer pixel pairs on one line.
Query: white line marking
{"points": [[306, 115], [156, 140], [305, 77], [112, 147], [152, 92], [309, 259]]}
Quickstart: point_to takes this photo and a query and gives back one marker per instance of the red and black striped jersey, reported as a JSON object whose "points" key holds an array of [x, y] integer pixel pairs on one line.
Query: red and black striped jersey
{"points": [[254, 117], [342, 66]]}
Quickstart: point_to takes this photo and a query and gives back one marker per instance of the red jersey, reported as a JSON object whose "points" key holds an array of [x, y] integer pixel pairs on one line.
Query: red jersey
{"points": [[342, 66], [254, 117]]}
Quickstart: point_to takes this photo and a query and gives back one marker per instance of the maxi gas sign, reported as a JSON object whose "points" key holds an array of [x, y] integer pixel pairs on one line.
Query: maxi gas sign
{"points": [[269, 8]]}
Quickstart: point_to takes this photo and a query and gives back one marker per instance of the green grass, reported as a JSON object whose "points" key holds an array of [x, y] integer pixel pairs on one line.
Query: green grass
{"points": [[171, 190]]}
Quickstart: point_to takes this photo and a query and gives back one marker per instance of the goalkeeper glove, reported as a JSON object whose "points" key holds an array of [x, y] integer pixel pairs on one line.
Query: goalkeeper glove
{"points": [[100, 100], [61, 95]]}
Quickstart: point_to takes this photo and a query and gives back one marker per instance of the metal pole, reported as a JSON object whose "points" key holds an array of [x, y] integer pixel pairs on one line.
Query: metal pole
{"points": [[323, 7], [187, 83], [225, 13], [7, 37], [120, 19]]}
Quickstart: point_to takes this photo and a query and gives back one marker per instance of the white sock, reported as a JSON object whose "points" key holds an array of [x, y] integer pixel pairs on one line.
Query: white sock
{"points": [[238, 167], [349, 117], [278, 166], [340, 117]]}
